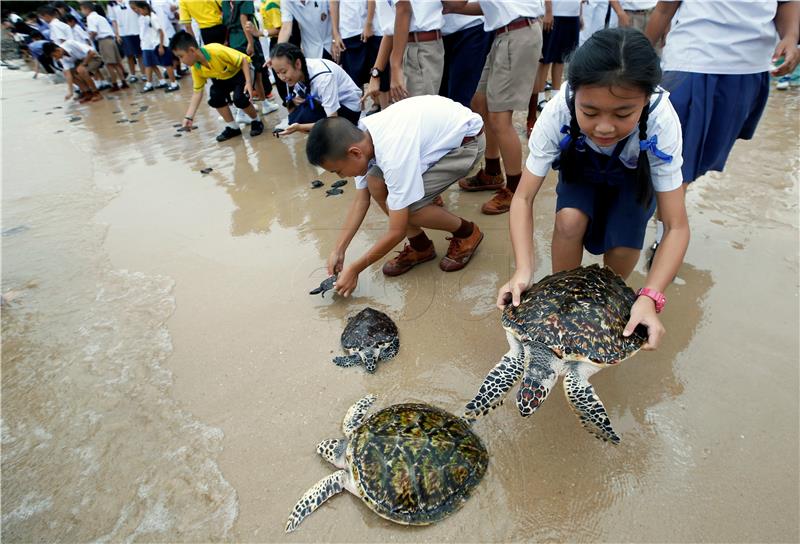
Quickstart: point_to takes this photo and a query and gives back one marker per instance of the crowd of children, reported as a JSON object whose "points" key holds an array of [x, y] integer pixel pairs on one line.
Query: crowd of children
{"points": [[655, 95]]}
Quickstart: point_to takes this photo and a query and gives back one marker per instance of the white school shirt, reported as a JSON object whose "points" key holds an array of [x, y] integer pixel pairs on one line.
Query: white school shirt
{"points": [[735, 37], [454, 22], [662, 122], [410, 137], [99, 25], [636, 5], [149, 25], [60, 31], [497, 13], [384, 17], [352, 17], [127, 19], [315, 24], [76, 50], [162, 9], [331, 85], [566, 8], [426, 15], [80, 34]]}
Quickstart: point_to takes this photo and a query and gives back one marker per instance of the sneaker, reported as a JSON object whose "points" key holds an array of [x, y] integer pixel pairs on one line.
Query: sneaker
{"points": [[499, 203], [228, 133], [256, 127], [407, 259], [461, 251], [172, 87], [148, 87], [132, 79], [242, 118], [783, 83], [482, 182], [650, 255], [268, 107]]}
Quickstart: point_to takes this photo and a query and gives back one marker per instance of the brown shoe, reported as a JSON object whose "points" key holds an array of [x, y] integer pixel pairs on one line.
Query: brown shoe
{"points": [[482, 182], [499, 203], [97, 97], [438, 201], [407, 259], [460, 251]]}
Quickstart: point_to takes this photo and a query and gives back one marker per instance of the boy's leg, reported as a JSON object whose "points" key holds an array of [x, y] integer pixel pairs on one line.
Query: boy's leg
{"points": [[218, 98], [242, 101]]}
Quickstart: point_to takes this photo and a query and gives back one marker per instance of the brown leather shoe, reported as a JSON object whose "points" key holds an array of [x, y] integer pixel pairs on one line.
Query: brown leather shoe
{"points": [[499, 203], [438, 201], [407, 259], [482, 182], [460, 251]]}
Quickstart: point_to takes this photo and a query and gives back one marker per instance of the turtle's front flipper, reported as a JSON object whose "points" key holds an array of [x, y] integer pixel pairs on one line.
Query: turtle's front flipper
{"points": [[539, 379], [347, 360], [586, 404], [322, 491], [497, 383], [355, 415], [390, 350]]}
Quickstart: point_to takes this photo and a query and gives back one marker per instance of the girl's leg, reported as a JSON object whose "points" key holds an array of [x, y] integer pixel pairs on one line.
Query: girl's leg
{"points": [[148, 73], [558, 74], [170, 73], [567, 246], [621, 260]]}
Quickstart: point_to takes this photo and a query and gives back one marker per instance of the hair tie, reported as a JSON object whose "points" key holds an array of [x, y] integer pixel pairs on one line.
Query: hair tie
{"points": [[651, 145], [567, 139]]}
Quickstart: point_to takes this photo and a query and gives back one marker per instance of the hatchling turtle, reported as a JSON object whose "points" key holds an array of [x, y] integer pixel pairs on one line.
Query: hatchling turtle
{"points": [[316, 184], [324, 286], [412, 464], [568, 324], [339, 183], [369, 336], [333, 192]]}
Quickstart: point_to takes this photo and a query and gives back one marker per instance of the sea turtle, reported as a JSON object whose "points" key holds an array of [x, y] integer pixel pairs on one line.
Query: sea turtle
{"points": [[412, 464], [339, 183], [369, 336], [569, 324], [316, 184], [324, 286], [333, 192]]}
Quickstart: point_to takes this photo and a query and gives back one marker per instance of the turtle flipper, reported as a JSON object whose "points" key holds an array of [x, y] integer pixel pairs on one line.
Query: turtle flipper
{"points": [[355, 415], [333, 450], [540, 377], [497, 383], [322, 491], [586, 404], [389, 351], [347, 360]]}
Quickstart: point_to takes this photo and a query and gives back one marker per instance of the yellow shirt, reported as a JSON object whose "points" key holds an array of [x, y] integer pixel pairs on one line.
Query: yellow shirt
{"points": [[207, 13], [271, 13], [223, 63]]}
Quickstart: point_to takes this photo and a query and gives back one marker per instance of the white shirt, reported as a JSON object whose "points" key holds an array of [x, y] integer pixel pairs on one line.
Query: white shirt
{"points": [[497, 13], [426, 15], [352, 17], [60, 31], [149, 26], [315, 24], [453, 22], [566, 8], [127, 19], [76, 50], [410, 137], [162, 9], [99, 25], [636, 5], [662, 122], [384, 17], [736, 37], [80, 34], [331, 85]]}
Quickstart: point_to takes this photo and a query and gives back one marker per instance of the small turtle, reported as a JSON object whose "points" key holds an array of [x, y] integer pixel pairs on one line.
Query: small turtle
{"points": [[74, 118], [334, 191], [369, 336], [569, 324], [325, 286], [316, 184], [339, 183], [206, 170], [413, 464]]}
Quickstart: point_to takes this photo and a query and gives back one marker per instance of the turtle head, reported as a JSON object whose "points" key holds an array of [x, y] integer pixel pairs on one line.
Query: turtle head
{"points": [[333, 450]]}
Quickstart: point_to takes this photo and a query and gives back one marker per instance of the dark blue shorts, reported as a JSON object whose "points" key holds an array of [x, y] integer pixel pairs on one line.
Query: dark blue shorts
{"points": [[359, 57], [131, 46], [561, 40], [465, 53], [150, 57], [715, 111]]}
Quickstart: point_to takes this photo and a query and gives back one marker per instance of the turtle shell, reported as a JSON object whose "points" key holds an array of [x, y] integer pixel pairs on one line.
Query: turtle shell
{"points": [[579, 314], [415, 463], [369, 328]]}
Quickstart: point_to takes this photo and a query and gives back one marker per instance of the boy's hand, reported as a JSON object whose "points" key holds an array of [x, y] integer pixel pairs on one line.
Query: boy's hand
{"points": [[643, 312], [398, 89], [367, 33], [248, 88], [335, 262], [161, 50], [791, 57], [511, 292], [547, 22], [373, 88], [336, 48], [187, 124], [249, 28], [346, 282]]}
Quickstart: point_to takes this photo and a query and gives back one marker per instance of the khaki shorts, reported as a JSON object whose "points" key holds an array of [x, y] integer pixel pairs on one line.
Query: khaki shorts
{"points": [[510, 69], [455, 165], [93, 66], [108, 51], [423, 66]]}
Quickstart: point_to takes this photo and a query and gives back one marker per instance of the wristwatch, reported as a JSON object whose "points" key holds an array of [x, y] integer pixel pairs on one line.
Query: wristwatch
{"points": [[374, 72], [657, 297]]}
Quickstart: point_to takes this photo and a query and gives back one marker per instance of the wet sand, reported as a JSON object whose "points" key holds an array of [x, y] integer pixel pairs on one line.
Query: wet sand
{"points": [[709, 423]]}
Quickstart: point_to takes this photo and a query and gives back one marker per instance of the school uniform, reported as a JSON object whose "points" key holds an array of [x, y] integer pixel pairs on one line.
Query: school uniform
{"points": [[716, 67], [562, 39], [207, 14], [76, 52], [80, 34], [466, 45], [358, 58], [162, 9], [422, 145], [638, 11], [597, 15], [128, 23], [225, 73], [606, 188], [104, 37], [36, 49], [329, 90], [60, 31], [149, 27], [510, 69], [423, 59], [384, 17], [315, 25]]}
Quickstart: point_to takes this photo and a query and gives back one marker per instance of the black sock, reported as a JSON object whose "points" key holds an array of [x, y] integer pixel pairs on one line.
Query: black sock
{"points": [[493, 167], [464, 230], [512, 181], [420, 242]]}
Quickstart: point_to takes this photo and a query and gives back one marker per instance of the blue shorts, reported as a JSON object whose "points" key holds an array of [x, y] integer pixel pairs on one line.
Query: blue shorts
{"points": [[561, 40], [465, 54], [359, 57], [715, 111], [150, 57], [131, 46]]}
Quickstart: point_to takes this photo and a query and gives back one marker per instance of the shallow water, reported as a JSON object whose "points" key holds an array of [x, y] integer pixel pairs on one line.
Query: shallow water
{"points": [[166, 376]]}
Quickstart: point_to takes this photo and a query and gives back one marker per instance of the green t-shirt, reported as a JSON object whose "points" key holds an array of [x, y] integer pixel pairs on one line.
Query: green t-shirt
{"points": [[230, 17]]}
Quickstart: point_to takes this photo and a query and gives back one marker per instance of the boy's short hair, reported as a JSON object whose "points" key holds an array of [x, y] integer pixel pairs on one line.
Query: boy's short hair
{"points": [[70, 19], [47, 10], [48, 48], [330, 138], [183, 41], [87, 5]]}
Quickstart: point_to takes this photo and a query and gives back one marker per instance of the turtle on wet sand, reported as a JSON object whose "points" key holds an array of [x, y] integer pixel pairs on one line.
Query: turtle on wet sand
{"points": [[316, 184], [369, 336], [333, 192], [339, 183], [568, 324], [326, 285], [412, 464]]}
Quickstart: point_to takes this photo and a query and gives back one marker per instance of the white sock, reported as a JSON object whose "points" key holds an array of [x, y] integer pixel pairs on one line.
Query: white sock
{"points": [[162, 81], [542, 97], [233, 125], [253, 117], [659, 231]]}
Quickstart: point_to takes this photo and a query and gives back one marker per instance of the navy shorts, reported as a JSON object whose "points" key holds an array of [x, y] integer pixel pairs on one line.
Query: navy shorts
{"points": [[465, 54], [131, 46], [561, 40], [715, 111], [150, 57], [359, 57]]}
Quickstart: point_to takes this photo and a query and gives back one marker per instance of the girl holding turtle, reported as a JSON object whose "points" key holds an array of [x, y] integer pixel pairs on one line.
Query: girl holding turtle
{"points": [[616, 141], [318, 88]]}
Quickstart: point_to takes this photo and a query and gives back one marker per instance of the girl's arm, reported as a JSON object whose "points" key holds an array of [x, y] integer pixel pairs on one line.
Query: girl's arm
{"points": [[659, 20], [521, 226], [160, 41]]}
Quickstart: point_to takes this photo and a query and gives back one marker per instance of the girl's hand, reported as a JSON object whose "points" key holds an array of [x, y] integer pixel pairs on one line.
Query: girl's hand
{"points": [[337, 46], [291, 129], [643, 312], [346, 282], [250, 29], [511, 292], [161, 50], [547, 22], [335, 262], [790, 55]]}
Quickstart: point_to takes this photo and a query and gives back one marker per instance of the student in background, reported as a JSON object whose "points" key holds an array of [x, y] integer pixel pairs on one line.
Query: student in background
{"points": [[466, 45], [155, 54], [102, 33], [313, 18], [126, 28], [207, 14], [354, 46]]}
